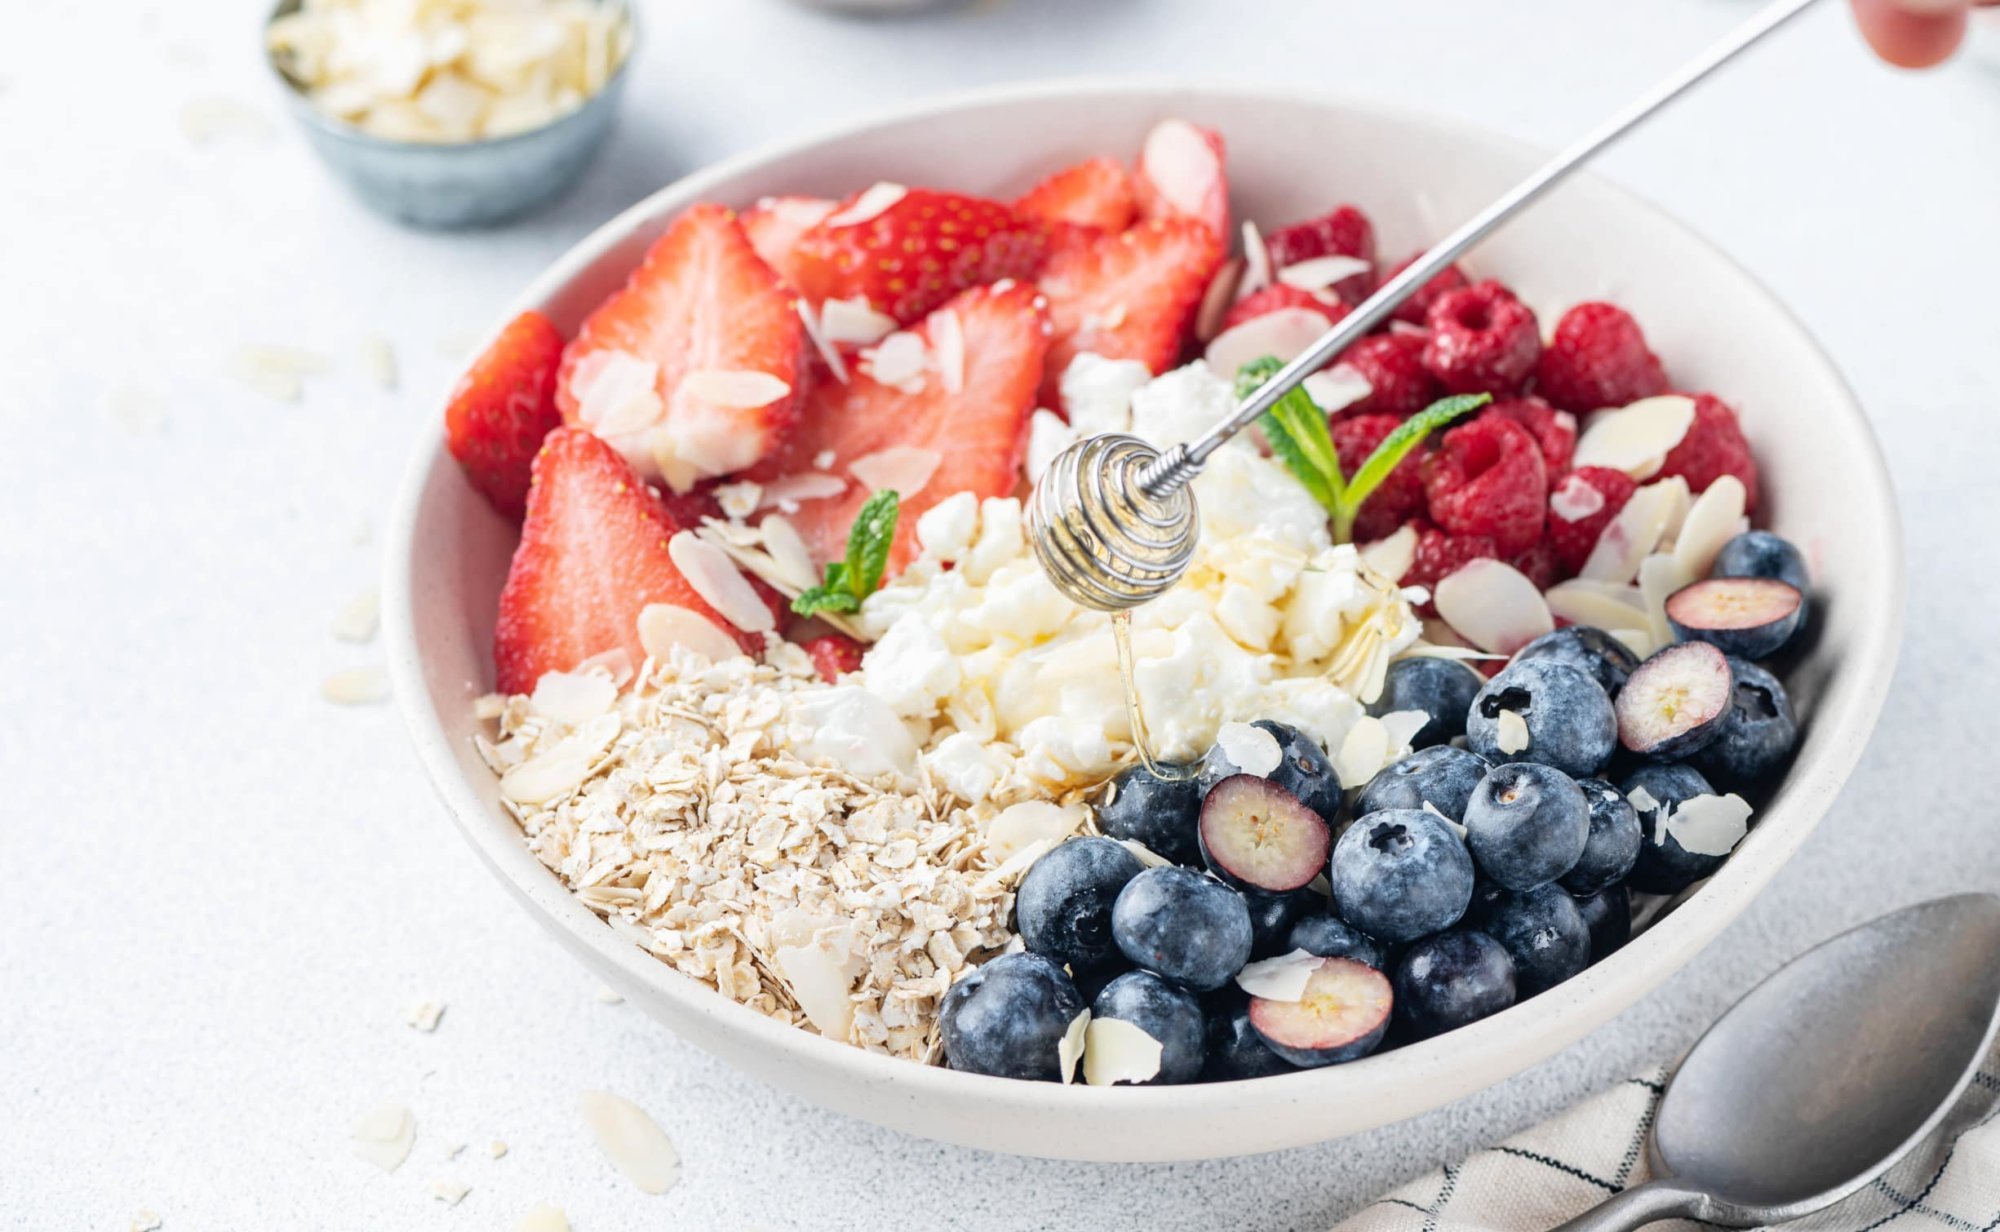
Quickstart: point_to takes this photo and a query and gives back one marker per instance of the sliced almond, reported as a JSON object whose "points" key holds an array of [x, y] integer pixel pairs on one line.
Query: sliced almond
{"points": [[358, 620], [873, 201], [720, 584], [1216, 301], [383, 1136], [1249, 748], [1710, 524], [1708, 825], [632, 1141], [948, 341], [1660, 575], [1117, 1051], [1392, 556], [572, 698], [1336, 388], [1634, 534], [1319, 273], [543, 1218], [616, 393], [1598, 605], [820, 981], [1020, 826], [1256, 261], [1070, 1047], [740, 389], [854, 322], [804, 486], [788, 552], [1283, 978], [1511, 733], [900, 360], [1182, 166], [560, 770], [663, 626], [1636, 439], [816, 334], [903, 469], [356, 686], [1363, 751], [1284, 334], [1494, 606]]}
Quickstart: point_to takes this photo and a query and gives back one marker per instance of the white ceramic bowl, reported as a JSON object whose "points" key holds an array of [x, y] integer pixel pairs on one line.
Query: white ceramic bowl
{"points": [[1716, 327]]}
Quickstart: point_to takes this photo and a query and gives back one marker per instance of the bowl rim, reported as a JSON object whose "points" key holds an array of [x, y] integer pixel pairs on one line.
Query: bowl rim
{"points": [[299, 99], [1854, 693]]}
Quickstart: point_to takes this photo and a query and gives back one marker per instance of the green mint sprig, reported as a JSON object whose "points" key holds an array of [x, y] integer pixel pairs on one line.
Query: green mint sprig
{"points": [[1298, 434], [850, 581]]}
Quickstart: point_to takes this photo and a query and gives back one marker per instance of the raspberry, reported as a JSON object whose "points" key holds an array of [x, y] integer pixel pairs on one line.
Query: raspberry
{"points": [[1416, 308], [1440, 555], [1488, 478], [1400, 495], [1580, 507], [1393, 365], [1276, 296], [1713, 447], [1539, 564], [1346, 232], [834, 654], [1598, 358], [1553, 430], [1482, 341]]}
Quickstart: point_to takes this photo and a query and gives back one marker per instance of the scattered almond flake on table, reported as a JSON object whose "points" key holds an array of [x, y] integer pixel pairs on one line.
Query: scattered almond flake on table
{"points": [[1279, 979], [1249, 748], [209, 119], [903, 469], [147, 1221], [454, 1150], [607, 995], [1708, 825], [449, 1191], [356, 621], [543, 1218], [496, 1148], [277, 372], [138, 411], [1069, 1049], [1117, 1051], [356, 686], [378, 360], [383, 1136], [1511, 733], [633, 1142], [424, 1016]]}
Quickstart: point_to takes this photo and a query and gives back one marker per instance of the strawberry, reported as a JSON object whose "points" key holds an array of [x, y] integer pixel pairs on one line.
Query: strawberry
{"points": [[502, 408], [835, 655], [775, 224], [1181, 176], [1279, 295], [1097, 192], [1126, 296], [976, 429], [593, 555], [701, 302], [916, 252]]}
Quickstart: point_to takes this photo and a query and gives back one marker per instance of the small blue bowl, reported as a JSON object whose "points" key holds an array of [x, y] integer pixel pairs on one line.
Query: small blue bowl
{"points": [[466, 183]]}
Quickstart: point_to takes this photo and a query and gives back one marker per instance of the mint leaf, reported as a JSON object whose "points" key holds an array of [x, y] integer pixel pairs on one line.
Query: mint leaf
{"points": [[1298, 435], [1408, 435], [850, 581], [825, 599]]}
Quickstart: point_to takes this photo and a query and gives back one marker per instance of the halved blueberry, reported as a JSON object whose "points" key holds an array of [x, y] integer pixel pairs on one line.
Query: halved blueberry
{"points": [[1063, 907], [1170, 1015], [1235, 1050], [1603, 657], [1297, 763], [1614, 840], [1452, 979], [1008, 1018], [1758, 733], [1527, 825], [1400, 874], [1255, 835], [1343, 1014], [1442, 688], [1542, 710], [1544, 933], [1160, 814], [1183, 926], [1746, 617], [1608, 915], [1676, 702], [1441, 776], [1332, 937], [1664, 866]]}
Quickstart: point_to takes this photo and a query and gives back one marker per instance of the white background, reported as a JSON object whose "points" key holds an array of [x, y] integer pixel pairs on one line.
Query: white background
{"points": [[218, 893]]}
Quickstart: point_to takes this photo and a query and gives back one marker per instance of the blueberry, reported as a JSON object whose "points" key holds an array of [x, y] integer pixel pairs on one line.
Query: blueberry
{"points": [[1761, 554], [1170, 1015], [1273, 916], [1257, 836], [1544, 932], [1063, 907], [1664, 866], [1183, 926], [1441, 776], [1008, 1018], [1452, 979], [1757, 734], [1401, 873], [1676, 702], [1527, 825], [1613, 844], [1342, 1015], [1608, 916], [1235, 1050], [1301, 765], [1442, 688], [1566, 718], [1160, 814], [1332, 937], [1748, 618], [1603, 657]]}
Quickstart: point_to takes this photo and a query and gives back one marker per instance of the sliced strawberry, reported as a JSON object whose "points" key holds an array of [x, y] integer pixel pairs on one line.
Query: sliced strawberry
{"points": [[975, 429], [502, 408], [1097, 192], [916, 251], [1279, 295], [1126, 296], [834, 655], [775, 224], [1181, 175], [702, 304], [593, 555], [1345, 232]]}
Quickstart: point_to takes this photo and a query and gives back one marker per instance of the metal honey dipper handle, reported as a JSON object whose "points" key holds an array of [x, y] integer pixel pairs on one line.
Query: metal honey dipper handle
{"points": [[1112, 520]]}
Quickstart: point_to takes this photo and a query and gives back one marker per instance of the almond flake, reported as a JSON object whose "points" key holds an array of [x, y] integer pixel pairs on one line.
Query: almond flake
{"points": [[1636, 439], [1363, 752], [854, 322], [607, 995], [449, 1191], [277, 372], [1285, 334], [1336, 388], [900, 360], [824, 460], [1032, 821], [1403, 726], [1215, 301], [383, 1136], [147, 1221], [1641, 799], [378, 360], [738, 500], [1250, 749], [816, 334], [1660, 575], [424, 1016], [720, 584], [1710, 524], [1511, 733], [1392, 556], [616, 393], [496, 1148], [741, 389], [1575, 500], [454, 1150], [1599, 605], [356, 686], [1070, 1047], [1256, 262], [1493, 606], [562, 769], [820, 981], [543, 1218], [903, 469], [663, 626], [356, 622], [1639, 641], [1708, 825], [632, 1141], [573, 697], [948, 339], [804, 486], [873, 201], [1144, 854], [1279, 979], [1182, 166], [1319, 273], [1635, 533], [791, 559], [1116, 1051]]}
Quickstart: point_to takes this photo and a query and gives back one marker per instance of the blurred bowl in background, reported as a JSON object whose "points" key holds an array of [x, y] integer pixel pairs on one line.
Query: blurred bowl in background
{"points": [[449, 184]]}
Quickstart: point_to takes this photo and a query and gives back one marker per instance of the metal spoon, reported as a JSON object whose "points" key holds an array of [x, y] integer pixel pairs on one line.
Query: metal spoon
{"points": [[1851, 1060], [1111, 520]]}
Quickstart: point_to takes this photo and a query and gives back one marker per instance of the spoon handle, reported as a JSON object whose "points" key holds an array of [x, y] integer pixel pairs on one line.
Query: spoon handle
{"points": [[1637, 1207]]}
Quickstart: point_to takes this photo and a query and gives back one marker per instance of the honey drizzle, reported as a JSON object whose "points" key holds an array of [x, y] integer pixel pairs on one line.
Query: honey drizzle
{"points": [[1121, 634]]}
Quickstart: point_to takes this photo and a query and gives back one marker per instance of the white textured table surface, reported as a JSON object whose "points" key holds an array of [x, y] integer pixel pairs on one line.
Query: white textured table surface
{"points": [[220, 892]]}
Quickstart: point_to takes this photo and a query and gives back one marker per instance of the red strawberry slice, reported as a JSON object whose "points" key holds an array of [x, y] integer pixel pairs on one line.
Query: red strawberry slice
{"points": [[975, 429], [775, 224], [702, 305], [1126, 296], [1181, 175], [1279, 295], [1097, 192], [1346, 232], [593, 555], [502, 408], [834, 655], [906, 251]]}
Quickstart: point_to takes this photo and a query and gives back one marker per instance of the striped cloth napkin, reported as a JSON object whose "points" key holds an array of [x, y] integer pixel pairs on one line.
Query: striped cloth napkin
{"points": [[1559, 1169]]}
